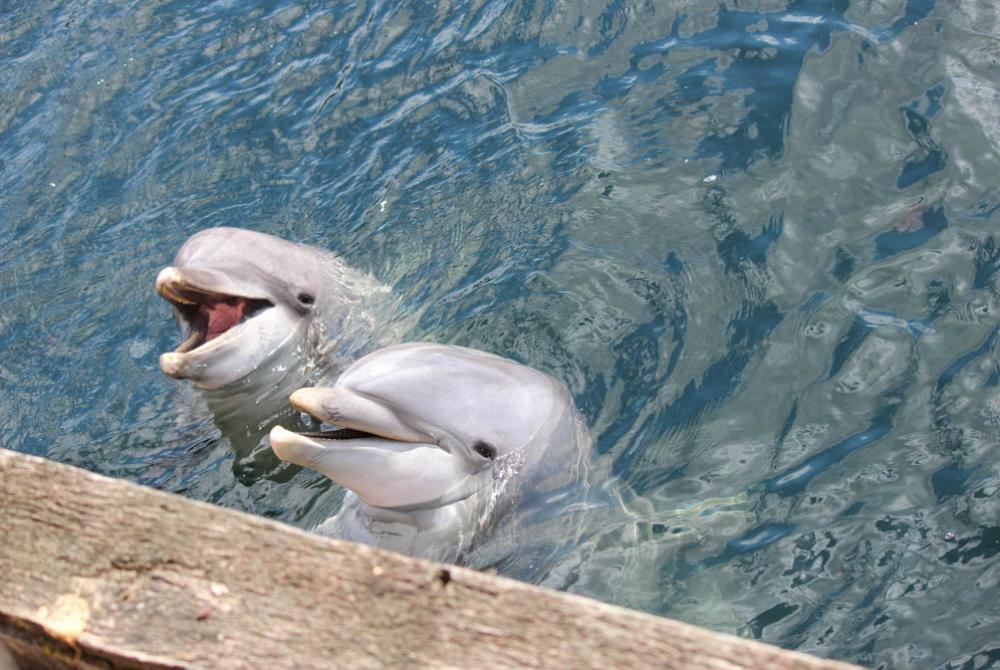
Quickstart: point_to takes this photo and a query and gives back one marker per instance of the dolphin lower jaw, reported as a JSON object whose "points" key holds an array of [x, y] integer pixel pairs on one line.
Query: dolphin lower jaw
{"points": [[173, 365], [247, 348], [384, 473]]}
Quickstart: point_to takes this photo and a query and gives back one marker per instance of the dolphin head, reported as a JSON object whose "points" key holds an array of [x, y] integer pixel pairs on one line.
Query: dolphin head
{"points": [[426, 425], [239, 296]]}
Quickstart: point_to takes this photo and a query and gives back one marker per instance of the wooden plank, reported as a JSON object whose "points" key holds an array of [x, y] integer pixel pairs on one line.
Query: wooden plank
{"points": [[97, 572]]}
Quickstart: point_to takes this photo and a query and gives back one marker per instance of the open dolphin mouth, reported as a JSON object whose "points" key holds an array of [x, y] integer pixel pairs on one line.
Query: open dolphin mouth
{"points": [[386, 462], [339, 434], [355, 417], [205, 315]]}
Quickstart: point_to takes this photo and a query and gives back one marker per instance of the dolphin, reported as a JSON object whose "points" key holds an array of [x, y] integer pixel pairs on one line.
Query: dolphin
{"points": [[435, 443], [247, 302]]}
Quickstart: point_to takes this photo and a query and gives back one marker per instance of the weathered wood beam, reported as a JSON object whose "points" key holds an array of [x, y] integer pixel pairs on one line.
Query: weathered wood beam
{"points": [[101, 573]]}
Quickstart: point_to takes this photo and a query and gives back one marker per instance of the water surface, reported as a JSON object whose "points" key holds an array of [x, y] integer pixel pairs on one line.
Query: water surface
{"points": [[757, 240]]}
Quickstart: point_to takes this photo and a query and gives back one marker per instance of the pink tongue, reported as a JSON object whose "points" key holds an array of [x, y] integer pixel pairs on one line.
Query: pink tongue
{"points": [[222, 316]]}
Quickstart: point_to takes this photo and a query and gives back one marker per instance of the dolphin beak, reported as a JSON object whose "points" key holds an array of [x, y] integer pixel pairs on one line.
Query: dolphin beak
{"points": [[168, 281], [208, 305], [382, 472], [350, 410], [383, 459], [172, 364], [293, 448], [177, 284]]}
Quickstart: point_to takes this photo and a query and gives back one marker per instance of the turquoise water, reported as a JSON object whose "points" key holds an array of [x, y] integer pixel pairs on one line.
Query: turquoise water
{"points": [[757, 240]]}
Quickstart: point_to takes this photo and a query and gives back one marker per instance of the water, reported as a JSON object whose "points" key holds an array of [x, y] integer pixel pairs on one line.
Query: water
{"points": [[757, 240]]}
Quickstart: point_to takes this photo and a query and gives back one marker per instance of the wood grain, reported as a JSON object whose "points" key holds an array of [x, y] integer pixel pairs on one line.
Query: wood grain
{"points": [[101, 573]]}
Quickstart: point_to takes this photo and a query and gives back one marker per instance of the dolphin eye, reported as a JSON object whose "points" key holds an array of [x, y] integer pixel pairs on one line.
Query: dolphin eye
{"points": [[485, 450], [306, 298]]}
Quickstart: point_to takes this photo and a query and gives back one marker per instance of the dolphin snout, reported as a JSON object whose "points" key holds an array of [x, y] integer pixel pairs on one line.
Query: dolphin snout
{"points": [[336, 405], [308, 400], [166, 280], [171, 363], [282, 442]]}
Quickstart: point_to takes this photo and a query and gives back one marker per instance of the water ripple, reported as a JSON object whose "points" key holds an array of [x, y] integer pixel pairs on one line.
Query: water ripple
{"points": [[756, 244]]}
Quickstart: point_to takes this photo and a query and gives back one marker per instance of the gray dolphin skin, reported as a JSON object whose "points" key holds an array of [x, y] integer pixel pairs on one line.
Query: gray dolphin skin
{"points": [[435, 444], [247, 302]]}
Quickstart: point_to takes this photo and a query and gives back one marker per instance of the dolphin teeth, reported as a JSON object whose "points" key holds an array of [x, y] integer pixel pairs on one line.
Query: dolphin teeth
{"points": [[168, 292], [165, 285], [338, 434], [192, 342]]}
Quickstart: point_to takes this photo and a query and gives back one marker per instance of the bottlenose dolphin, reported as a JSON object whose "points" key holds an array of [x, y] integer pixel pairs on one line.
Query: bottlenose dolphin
{"points": [[435, 444], [258, 313]]}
